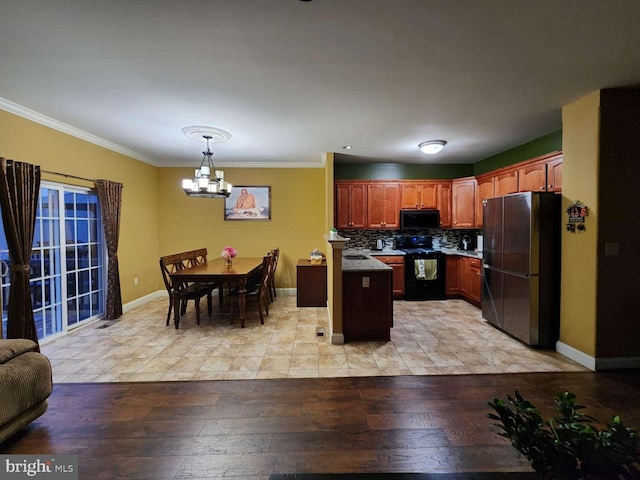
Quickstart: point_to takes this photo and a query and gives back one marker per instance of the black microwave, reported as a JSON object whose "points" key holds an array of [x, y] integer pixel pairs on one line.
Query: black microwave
{"points": [[414, 220]]}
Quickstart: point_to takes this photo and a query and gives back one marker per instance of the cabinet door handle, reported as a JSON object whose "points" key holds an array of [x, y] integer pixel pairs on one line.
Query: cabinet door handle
{"points": [[542, 187]]}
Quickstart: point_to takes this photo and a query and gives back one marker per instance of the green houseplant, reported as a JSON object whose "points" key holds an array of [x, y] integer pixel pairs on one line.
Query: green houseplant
{"points": [[571, 446]]}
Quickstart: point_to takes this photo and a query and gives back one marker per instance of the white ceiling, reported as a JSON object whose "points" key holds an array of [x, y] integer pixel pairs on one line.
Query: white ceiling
{"points": [[291, 80]]}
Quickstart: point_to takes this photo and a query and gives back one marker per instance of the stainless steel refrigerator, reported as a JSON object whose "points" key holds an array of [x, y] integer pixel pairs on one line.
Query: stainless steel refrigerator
{"points": [[521, 266]]}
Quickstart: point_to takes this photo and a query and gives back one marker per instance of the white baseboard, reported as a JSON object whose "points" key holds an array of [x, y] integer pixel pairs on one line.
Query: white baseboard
{"points": [[576, 355], [142, 300], [595, 363]]}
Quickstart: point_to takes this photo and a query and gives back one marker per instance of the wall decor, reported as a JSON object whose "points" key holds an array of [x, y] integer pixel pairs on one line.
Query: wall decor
{"points": [[248, 203], [577, 212]]}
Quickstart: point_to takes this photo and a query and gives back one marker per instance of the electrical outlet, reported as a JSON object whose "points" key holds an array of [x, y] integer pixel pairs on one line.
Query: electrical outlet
{"points": [[365, 282], [136, 281]]}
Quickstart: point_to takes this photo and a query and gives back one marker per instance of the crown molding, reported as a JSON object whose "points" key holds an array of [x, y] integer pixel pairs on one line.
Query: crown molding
{"points": [[36, 117], [219, 164], [69, 130]]}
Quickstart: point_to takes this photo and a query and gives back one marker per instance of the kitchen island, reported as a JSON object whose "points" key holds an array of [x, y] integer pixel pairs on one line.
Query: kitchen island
{"points": [[367, 291]]}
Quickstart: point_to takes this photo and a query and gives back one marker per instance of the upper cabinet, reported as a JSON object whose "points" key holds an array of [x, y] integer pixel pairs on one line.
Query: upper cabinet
{"points": [[419, 195], [484, 190], [351, 205], [383, 205], [463, 195], [554, 174], [376, 204], [444, 203], [505, 182], [542, 174]]}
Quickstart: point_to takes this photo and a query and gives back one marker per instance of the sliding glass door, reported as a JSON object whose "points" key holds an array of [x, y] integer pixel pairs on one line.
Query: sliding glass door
{"points": [[67, 260]]}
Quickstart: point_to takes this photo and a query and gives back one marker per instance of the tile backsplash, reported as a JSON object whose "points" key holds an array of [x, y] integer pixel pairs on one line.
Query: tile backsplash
{"points": [[441, 238]]}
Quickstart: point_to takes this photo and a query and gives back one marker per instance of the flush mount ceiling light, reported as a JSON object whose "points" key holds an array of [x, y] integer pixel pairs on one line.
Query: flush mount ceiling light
{"points": [[204, 185], [432, 146]]}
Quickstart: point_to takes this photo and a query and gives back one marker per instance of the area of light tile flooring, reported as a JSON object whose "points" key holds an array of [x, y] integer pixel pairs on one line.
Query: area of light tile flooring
{"points": [[428, 338]]}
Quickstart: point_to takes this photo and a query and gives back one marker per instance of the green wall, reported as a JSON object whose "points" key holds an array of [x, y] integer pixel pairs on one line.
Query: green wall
{"points": [[539, 146], [399, 171]]}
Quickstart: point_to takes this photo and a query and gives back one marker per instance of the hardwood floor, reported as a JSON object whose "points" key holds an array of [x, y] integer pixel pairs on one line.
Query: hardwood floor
{"points": [[248, 429]]}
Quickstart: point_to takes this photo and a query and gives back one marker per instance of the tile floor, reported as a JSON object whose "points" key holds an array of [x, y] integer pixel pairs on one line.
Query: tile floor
{"points": [[429, 338]]}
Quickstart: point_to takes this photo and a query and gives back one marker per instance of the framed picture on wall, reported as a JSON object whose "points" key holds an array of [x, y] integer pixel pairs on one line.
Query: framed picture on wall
{"points": [[248, 203]]}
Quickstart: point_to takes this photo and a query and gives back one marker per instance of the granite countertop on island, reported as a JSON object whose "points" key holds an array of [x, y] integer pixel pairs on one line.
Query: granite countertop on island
{"points": [[392, 252], [361, 260]]}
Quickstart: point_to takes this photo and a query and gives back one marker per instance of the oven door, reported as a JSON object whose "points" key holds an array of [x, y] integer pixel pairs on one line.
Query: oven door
{"points": [[424, 275]]}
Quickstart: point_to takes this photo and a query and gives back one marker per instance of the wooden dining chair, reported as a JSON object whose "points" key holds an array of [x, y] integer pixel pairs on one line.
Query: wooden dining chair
{"points": [[173, 263], [274, 264], [198, 257], [259, 292]]}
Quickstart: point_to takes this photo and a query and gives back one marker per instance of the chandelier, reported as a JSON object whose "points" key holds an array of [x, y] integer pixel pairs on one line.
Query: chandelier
{"points": [[203, 184]]}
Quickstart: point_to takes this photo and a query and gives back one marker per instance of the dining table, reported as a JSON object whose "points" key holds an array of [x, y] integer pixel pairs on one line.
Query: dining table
{"points": [[218, 271]]}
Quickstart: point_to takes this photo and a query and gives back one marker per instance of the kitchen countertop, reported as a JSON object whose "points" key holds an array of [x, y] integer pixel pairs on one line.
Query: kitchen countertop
{"points": [[391, 252], [462, 253], [368, 263]]}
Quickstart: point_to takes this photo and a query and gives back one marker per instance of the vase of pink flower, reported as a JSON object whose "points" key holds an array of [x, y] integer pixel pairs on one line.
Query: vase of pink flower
{"points": [[228, 253]]}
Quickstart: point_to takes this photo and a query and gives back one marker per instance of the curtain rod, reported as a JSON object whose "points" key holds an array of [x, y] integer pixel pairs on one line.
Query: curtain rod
{"points": [[70, 176]]}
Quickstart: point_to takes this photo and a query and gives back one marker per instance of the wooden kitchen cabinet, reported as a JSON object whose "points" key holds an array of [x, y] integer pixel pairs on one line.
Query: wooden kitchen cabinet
{"points": [[444, 203], [554, 174], [311, 284], [533, 177], [543, 174], [505, 182], [383, 205], [367, 307], [464, 275], [463, 199], [452, 279], [351, 205], [475, 280], [397, 263], [484, 191], [494, 185], [419, 195]]}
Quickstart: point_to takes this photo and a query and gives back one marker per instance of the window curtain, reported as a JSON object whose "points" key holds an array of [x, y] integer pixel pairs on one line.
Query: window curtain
{"points": [[110, 197], [19, 193]]}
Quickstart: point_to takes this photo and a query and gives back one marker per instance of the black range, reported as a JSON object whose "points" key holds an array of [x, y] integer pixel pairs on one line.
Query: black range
{"points": [[424, 268]]}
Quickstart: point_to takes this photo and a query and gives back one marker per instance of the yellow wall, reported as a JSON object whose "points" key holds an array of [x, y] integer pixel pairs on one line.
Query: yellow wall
{"points": [[298, 203], [580, 147], [25, 141]]}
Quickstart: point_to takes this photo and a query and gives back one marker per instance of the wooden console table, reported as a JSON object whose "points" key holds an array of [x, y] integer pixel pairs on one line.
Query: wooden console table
{"points": [[311, 283]]}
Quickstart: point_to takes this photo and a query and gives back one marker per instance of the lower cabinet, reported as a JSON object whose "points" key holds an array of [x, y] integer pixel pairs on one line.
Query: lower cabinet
{"points": [[452, 280], [367, 305], [397, 263], [464, 276], [474, 275]]}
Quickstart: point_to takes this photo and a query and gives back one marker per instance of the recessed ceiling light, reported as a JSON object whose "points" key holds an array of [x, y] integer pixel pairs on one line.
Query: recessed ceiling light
{"points": [[347, 147], [432, 146]]}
